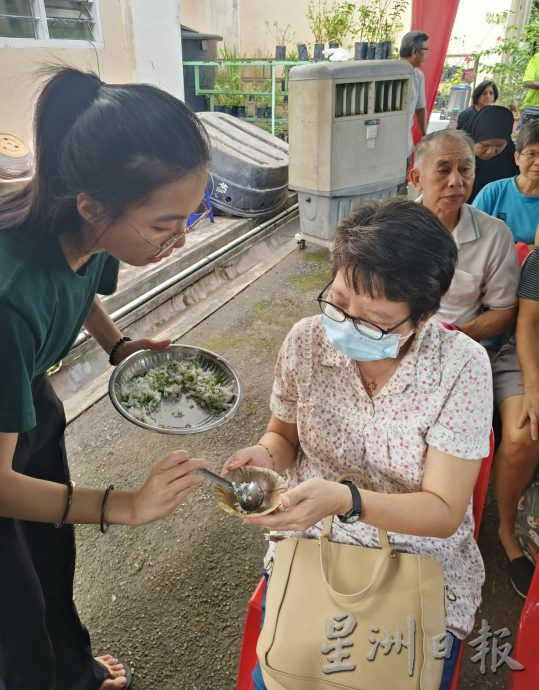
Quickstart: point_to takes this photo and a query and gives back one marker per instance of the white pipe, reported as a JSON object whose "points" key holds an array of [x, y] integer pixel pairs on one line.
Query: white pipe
{"points": [[158, 289]]}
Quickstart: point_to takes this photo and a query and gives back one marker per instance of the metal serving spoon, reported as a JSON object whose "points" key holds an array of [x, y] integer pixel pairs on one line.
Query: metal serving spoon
{"points": [[250, 496]]}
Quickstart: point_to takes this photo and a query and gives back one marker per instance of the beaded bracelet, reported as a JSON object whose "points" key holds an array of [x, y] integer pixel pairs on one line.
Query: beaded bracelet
{"points": [[125, 339], [70, 486], [102, 526], [268, 451]]}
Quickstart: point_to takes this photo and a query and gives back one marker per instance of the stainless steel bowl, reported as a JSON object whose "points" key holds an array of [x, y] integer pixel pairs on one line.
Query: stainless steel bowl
{"points": [[195, 418]]}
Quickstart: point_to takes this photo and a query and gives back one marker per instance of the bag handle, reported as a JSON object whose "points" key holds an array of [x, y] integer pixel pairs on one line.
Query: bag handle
{"points": [[386, 552], [328, 523]]}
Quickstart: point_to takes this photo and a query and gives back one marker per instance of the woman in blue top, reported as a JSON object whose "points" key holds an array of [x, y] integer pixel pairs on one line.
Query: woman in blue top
{"points": [[119, 168], [516, 199]]}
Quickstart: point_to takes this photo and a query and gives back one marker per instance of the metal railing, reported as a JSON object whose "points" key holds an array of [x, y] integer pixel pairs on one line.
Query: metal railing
{"points": [[274, 66]]}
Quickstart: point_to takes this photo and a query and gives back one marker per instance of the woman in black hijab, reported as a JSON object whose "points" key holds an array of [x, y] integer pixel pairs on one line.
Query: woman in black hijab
{"points": [[491, 131]]}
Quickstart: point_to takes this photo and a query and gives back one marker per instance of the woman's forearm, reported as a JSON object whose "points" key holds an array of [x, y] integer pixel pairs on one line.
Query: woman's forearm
{"points": [[99, 324], [37, 500], [282, 451], [406, 513]]}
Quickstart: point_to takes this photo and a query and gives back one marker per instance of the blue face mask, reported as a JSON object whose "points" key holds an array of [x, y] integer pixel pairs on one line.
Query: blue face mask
{"points": [[345, 338]]}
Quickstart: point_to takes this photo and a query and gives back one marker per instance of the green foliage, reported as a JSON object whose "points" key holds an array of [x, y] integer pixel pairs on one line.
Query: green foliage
{"points": [[362, 20], [513, 51], [330, 23], [228, 78]]}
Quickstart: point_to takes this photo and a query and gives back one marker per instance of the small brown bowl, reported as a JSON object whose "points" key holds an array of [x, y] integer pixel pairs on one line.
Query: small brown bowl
{"points": [[269, 481]]}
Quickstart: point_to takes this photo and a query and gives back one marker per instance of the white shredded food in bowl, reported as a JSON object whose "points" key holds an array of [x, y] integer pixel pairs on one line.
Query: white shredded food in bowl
{"points": [[143, 394]]}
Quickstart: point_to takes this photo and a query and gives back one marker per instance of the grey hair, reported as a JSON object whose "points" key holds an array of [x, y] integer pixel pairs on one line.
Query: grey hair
{"points": [[411, 41], [450, 136], [527, 135]]}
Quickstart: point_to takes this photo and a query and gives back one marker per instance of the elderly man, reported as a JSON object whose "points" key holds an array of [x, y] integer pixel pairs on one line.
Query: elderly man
{"points": [[414, 49], [482, 300]]}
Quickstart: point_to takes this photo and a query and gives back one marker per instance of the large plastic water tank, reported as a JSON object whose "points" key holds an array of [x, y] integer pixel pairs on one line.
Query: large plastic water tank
{"points": [[249, 167]]}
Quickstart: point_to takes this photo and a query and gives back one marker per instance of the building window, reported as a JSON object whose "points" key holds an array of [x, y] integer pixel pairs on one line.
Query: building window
{"points": [[71, 20]]}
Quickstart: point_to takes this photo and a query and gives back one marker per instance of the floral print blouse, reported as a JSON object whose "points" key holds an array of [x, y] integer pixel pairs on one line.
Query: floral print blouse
{"points": [[440, 395]]}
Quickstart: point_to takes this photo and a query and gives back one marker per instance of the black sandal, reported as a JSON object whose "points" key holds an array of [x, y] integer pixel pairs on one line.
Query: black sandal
{"points": [[521, 575]]}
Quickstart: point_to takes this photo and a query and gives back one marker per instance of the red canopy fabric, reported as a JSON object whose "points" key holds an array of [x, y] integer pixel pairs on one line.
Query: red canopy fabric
{"points": [[436, 18]]}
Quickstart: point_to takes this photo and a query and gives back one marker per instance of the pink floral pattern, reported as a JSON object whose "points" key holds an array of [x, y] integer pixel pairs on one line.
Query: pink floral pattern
{"points": [[440, 395]]}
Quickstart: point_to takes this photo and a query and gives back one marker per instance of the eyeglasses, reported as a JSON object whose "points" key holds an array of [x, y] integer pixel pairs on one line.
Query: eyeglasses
{"points": [[530, 155], [190, 225], [363, 326]]}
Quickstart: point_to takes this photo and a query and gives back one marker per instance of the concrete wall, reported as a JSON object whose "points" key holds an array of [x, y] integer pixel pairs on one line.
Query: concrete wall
{"points": [[157, 44], [221, 17], [139, 44]]}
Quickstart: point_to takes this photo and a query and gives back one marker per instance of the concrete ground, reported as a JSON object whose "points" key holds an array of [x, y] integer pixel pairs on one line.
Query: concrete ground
{"points": [[170, 598]]}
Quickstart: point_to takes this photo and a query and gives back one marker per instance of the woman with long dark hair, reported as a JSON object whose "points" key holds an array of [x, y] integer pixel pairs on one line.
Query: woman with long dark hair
{"points": [[484, 94], [119, 169]]}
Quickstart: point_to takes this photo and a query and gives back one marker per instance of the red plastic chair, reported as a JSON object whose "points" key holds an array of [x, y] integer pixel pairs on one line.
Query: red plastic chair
{"points": [[479, 496], [522, 251], [526, 649], [251, 630]]}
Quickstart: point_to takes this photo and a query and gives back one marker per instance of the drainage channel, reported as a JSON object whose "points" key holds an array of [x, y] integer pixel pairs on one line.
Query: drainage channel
{"points": [[173, 307]]}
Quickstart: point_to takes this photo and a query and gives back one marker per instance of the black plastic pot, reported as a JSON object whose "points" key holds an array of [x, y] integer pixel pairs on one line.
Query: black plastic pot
{"points": [[224, 109], [371, 50], [238, 110], [261, 110], [334, 45], [303, 53], [380, 52], [318, 54], [388, 49], [280, 52], [360, 50]]}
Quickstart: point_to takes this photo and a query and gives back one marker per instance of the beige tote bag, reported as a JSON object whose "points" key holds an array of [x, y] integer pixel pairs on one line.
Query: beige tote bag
{"points": [[325, 600]]}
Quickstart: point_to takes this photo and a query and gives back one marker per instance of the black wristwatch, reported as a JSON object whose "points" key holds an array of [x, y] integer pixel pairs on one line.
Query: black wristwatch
{"points": [[355, 514]]}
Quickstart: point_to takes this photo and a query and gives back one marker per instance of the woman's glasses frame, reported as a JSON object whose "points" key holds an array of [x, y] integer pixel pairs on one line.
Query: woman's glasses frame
{"points": [[189, 227], [367, 331]]}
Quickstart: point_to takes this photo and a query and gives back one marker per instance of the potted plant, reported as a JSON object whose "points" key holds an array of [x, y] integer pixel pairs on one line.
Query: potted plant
{"points": [[391, 25], [303, 52], [283, 35], [338, 21], [361, 46], [316, 24]]}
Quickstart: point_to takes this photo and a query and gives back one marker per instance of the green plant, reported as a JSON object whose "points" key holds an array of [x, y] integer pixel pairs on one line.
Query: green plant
{"points": [[392, 23], [316, 21], [362, 27], [379, 20], [330, 23], [513, 52]]}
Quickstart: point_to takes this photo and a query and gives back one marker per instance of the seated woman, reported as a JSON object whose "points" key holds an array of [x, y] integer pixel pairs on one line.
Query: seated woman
{"points": [[516, 391], [494, 150], [374, 385], [484, 94], [516, 200]]}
